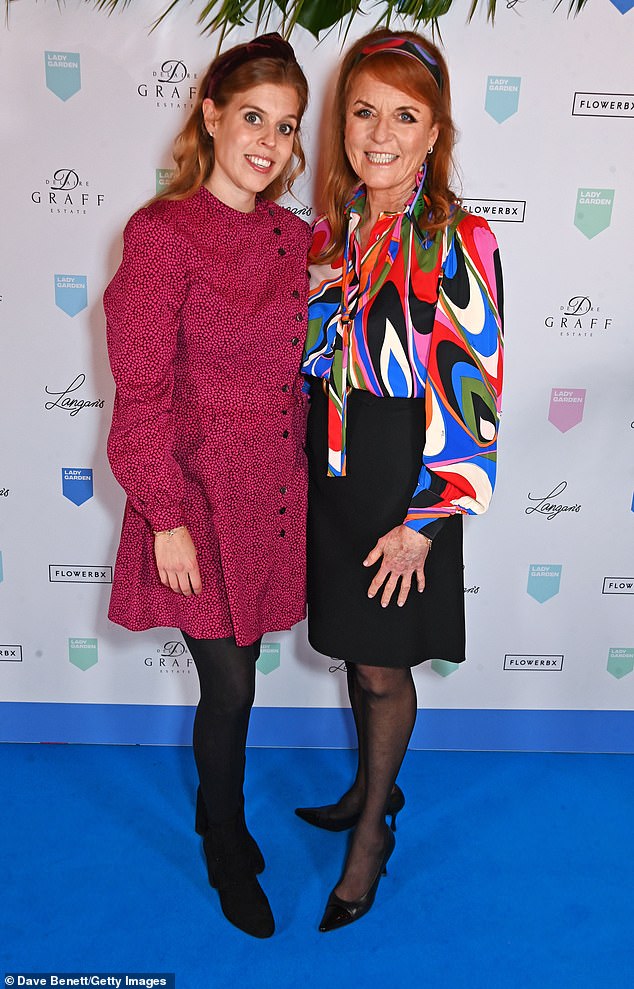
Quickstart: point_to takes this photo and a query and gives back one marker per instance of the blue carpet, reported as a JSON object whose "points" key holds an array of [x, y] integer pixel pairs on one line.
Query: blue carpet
{"points": [[510, 870]]}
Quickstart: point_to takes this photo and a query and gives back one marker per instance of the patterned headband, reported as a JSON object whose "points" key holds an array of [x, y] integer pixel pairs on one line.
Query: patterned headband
{"points": [[403, 46], [265, 46]]}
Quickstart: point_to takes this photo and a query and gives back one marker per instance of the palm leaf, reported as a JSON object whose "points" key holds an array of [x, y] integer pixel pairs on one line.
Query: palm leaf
{"points": [[314, 15]]}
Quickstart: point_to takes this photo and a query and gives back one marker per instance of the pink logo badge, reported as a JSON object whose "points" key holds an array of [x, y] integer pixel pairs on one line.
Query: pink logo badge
{"points": [[566, 407]]}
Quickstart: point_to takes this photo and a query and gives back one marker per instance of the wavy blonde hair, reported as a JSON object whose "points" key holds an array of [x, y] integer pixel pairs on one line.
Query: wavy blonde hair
{"points": [[194, 148], [411, 77]]}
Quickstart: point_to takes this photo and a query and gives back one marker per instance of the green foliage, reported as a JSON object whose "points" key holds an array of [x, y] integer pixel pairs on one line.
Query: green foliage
{"points": [[314, 15]]}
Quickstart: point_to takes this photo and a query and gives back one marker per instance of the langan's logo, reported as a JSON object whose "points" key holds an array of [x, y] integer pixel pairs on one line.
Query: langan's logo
{"points": [[172, 70], [542, 505], [62, 399], [578, 318]]}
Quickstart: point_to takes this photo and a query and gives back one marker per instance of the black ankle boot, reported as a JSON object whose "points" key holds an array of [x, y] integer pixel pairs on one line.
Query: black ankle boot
{"points": [[231, 872], [250, 844]]}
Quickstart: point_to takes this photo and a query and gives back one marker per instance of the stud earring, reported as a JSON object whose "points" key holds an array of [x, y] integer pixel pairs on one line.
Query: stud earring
{"points": [[429, 150]]}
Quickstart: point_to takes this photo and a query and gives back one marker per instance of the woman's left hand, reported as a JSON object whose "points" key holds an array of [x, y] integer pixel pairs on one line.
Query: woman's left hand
{"points": [[404, 553]]}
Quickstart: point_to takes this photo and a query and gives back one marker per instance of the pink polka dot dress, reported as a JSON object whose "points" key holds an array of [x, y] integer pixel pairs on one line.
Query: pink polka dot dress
{"points": [[206, 319]]}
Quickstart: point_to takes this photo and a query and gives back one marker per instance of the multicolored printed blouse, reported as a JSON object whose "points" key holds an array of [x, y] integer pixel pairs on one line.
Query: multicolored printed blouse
{"points": [[415, 317]]}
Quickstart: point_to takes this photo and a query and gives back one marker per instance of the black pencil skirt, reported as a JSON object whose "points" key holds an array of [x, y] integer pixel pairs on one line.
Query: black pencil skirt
{"points": [[346, 517]]}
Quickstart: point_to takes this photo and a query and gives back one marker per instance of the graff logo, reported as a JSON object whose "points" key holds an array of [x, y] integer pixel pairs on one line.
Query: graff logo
{"points": [[66, 192], [172, 87], [172, 658], [172, 71], [64, 178], [543, 506], [579, 318], [63, 401]]}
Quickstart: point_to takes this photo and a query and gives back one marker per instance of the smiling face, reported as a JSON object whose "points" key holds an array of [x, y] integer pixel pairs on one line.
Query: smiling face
{"points": [[387, 137], [253, 141]]}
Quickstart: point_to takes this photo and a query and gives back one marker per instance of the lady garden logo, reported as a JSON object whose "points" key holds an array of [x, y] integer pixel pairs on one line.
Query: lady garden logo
{"points": [[77, 484], [71, 293], [566, 407], [63, 73], [593, 212], [544, 580], [502, 97], [83, 653]]}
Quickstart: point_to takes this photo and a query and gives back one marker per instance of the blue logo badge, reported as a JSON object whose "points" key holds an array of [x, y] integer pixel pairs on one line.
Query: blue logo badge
{"points": [[543, 580], [77, 484], [63, 75], [623, 5], [71, 293], [503, 97]]}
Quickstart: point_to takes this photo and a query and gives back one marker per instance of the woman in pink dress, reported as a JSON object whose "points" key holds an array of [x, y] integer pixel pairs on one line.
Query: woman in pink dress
{"points": [[206, 323]]}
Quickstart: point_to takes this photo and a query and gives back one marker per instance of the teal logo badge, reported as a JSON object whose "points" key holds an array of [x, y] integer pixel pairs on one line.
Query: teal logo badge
{"points": [[82, 653], [163, 178], [594, 211], [71, 293], [444, 667], [620, 662], [63, 74], [77, 484], [543, 580], [503, 97], [269, 657]]}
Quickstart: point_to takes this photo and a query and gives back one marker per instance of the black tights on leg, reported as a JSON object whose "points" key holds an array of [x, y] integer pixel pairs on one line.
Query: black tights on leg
{"points": [[226, 673], [388, 698]]}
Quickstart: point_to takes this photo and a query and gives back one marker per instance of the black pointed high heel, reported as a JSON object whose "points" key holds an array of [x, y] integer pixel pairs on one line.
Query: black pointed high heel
{"points": [[251, 846], [323, 817], [340, 913]]}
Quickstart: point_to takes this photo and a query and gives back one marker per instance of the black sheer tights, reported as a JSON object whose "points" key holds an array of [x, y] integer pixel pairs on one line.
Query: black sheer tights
{"points": [[384, 707], [227, 688]]}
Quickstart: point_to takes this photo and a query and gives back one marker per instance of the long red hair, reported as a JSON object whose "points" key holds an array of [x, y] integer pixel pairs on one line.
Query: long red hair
{"points": [[194, 148], [411, 77]]}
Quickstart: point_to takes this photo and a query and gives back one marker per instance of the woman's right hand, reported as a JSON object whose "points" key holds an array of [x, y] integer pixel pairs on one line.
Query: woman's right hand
{"points": [[175, 556]]}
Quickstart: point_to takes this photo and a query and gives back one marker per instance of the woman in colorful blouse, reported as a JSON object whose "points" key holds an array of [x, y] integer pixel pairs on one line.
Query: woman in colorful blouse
{"points": [[205, 331], [404, 350]]}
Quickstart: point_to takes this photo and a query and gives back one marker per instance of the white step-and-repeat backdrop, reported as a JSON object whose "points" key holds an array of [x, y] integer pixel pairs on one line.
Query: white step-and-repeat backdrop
{"points": [[545, 108]]}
